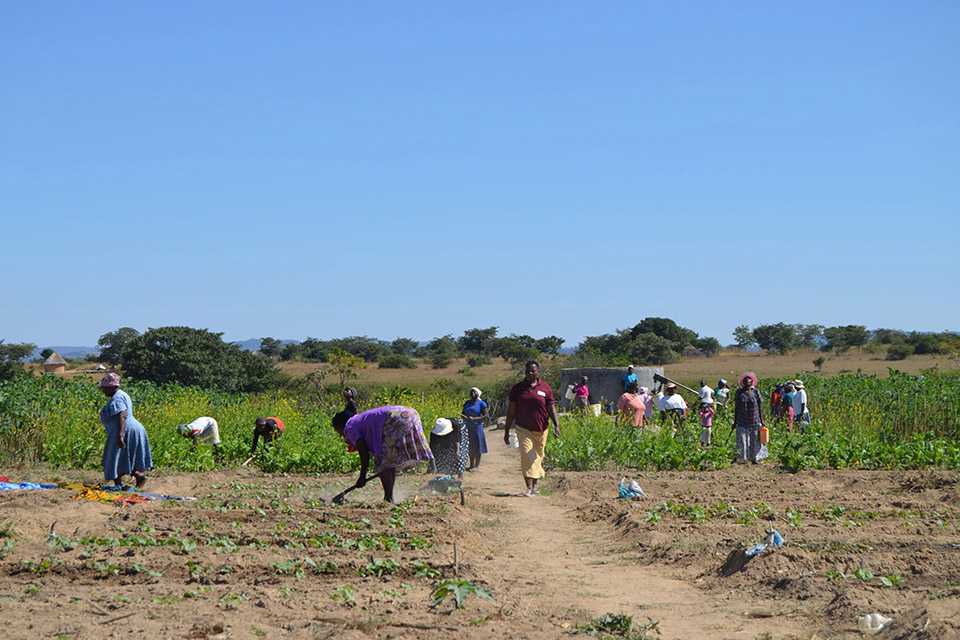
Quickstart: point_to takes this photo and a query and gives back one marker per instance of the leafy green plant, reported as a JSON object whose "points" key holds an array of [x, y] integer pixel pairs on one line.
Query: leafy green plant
{"points": [[343, 593], [459, 589], [618, 625], [424, 570], [379, 568], [864, 575], [893, 580]]}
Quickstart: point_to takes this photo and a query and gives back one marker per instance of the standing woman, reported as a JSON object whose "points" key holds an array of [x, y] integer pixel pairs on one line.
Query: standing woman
{"points": [[392, 435], [350, 398], [630, 406], [127, 450], [748, 419], [475, 412], [532, 408], [582, 395]]}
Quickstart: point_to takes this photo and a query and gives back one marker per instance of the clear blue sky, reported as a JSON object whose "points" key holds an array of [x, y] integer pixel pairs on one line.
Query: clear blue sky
{"points": [[420, 168]]}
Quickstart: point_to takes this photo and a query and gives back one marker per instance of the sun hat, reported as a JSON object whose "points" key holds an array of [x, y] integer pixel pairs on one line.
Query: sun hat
{"points": [[798, 384], [671, 385], [442, 427], [722, 383], [748, 374], [630, 366], [110, 380]]}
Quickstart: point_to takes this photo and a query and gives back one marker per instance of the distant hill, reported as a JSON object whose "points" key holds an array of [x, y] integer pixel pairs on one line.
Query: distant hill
{"points": [[74, 353]]}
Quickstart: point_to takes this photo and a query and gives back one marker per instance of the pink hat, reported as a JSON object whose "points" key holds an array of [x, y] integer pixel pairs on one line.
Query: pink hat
{"points": [[110, 380], [748, 374]]}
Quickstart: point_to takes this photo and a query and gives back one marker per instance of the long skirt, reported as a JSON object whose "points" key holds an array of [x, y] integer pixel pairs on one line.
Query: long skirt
{"points": [[748, 445], [135, 457], [533, 445], [478, 439], [404, 445]]}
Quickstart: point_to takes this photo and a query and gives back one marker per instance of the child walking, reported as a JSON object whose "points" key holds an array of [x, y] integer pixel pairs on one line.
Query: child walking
{"points": [[706, 423]]}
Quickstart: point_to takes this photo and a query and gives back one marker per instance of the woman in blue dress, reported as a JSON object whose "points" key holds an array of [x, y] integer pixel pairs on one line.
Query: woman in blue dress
{"points": [[127, 450], [475, 412]]}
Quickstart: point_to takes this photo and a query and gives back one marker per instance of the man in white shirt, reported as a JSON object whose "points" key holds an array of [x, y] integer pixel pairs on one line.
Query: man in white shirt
{"points": [[706, 393], [203, 429], [800, 409], [673, 406]]}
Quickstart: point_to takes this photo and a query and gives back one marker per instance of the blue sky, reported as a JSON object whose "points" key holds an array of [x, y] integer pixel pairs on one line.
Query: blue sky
{"points": [[415, 169]]}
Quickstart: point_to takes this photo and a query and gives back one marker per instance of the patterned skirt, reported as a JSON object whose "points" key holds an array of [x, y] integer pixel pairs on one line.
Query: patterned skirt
{"points": [[404, 445]]}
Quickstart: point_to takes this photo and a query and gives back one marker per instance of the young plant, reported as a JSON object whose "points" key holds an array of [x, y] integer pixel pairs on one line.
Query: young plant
{"points": [[459, 589]]}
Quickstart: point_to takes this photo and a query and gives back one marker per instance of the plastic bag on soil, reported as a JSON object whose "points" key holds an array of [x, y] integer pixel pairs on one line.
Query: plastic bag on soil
{"points": [[443, 484]]}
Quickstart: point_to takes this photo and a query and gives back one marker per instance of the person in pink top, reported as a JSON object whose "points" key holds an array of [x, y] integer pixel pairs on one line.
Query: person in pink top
{"points": [[631, 406], [706, 422], [582, 393]]}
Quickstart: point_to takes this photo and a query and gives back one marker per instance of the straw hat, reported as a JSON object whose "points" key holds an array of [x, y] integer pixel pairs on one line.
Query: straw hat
{"points": [[748, 374], [798, 384]]}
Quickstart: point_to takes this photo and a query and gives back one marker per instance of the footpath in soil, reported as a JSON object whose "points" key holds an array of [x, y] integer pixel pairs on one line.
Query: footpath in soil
{"points": [[259, 555]]}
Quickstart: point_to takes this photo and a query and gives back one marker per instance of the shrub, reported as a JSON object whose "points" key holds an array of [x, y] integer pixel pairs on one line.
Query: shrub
{"points": [[440, 359], [478, 361], [397, 361], [899, 351]]}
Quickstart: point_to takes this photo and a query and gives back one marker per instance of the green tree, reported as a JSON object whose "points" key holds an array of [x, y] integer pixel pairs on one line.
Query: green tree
{"points": [[476, 340], [650, 349], [550, 344], [345, 365], [46, 353], [807, 335], [840, 339], [271, 347], [743, 336], [709, 346], [196, 357], [113, 343], [11, 357], [404, 346], [666, 328], [778, 338]]}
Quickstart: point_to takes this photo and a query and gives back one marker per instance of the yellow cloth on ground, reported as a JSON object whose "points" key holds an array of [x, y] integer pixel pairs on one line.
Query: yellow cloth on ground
{"points": [[532, 446]]}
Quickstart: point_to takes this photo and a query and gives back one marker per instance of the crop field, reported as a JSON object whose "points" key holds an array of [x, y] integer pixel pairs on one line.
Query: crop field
{"points": [[867, 503]]}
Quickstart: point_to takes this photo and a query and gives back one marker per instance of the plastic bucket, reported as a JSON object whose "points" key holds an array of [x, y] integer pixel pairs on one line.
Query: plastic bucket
{"points": [[596, 410], [570, 395]]}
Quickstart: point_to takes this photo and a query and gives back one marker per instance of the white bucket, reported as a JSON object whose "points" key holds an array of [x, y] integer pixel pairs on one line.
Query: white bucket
{"points": [[570, 395]]}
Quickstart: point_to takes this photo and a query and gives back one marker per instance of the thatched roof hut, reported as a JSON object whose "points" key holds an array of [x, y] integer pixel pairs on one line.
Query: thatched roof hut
{"points": [[54, 364]]}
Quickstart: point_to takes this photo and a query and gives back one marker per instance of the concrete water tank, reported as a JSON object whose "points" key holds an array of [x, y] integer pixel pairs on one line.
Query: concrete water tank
{"points": [[605, 383]]}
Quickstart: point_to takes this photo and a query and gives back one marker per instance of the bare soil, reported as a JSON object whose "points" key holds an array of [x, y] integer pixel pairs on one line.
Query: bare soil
{"points": [[551, 562]]}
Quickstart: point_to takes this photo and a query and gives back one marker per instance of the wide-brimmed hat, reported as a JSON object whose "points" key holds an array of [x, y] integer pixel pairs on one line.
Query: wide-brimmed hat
{"points": [[748, 374], [442, 427], [798, 384]]}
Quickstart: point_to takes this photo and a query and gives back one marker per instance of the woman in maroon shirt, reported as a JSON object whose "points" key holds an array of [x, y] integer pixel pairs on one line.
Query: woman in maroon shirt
{"points": [[532, 408]]}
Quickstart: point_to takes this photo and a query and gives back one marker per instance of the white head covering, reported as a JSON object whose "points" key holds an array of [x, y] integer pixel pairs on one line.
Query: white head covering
{"points": [[479, 393], [442, 427]]}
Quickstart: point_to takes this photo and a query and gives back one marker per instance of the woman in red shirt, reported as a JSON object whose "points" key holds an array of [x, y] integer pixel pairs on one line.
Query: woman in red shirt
{"points": [[531, 408]]}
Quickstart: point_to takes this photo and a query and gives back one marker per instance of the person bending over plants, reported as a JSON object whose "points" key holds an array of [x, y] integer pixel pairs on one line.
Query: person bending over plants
{"points": [[270, 429], [391, 435], [203, 429]]}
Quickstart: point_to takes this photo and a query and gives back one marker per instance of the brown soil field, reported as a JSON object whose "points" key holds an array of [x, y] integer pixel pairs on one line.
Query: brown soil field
{"points": [[233, 563]]}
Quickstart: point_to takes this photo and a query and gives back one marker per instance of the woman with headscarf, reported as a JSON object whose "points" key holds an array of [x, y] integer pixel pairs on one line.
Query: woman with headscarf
{"points": [[392, 436], [127, 450], [350, 397], [748, 419], [581, 394], [648, 402], [630, 406], [475, 413], [532, 408]]}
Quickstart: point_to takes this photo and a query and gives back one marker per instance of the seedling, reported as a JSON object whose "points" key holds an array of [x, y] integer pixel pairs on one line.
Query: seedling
{"points": [[459, 589], [343, 593]]}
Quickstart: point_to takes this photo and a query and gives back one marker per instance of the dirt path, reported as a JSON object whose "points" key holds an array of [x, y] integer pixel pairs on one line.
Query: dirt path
{"points": [[570, 571]]}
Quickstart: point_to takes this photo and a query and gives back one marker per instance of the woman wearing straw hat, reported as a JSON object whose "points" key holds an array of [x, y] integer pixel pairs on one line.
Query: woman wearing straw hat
{"points": [[748, 419], [127, 450], [532, 408], [800, 409]]}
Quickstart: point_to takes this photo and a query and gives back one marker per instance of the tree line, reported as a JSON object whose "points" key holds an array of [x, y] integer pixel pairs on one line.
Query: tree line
{"points": [[782, 338]]}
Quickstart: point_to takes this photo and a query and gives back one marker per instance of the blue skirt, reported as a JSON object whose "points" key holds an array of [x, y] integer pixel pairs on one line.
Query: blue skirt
{"points": [[135, 457], [478, 439]]}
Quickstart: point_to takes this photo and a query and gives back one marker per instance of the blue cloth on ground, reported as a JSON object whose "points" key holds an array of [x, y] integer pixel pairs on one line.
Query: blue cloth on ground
{"points": [[13, 486]]}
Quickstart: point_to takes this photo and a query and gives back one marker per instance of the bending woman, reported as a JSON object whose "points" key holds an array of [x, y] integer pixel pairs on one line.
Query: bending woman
{"points": [[393, 435]]}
